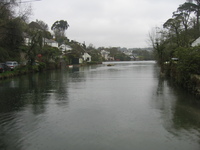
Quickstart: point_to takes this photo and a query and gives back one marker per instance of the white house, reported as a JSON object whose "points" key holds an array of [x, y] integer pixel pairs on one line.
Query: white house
{"points": [[196, 42], [64, 48], [51, 43], [105, 54], [28, 40], [85, 57], [128, 53]]}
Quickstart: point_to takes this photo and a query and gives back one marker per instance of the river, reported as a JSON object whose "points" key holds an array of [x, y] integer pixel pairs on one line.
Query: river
{"points": [[122, 107]]}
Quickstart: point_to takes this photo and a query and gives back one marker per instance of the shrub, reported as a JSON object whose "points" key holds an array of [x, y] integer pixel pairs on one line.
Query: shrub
{"points": [[188, 63]]}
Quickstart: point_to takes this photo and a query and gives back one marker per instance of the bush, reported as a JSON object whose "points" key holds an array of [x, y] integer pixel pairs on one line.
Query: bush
{"points": [[188, 63], [41, 66]]}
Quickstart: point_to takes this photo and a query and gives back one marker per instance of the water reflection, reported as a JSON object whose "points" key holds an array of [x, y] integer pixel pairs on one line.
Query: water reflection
{"points": [[23, 105], [126, 106], [180, 111]]}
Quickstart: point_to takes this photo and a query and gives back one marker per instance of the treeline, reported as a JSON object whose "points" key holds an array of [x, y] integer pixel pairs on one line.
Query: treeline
{"points": [[143, 54], [172, 44], [11, 29], [25, 42], [15, 30]]}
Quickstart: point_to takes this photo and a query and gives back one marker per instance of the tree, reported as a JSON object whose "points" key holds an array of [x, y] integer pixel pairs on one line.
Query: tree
{"points": [[50, 54], [94, 53], [11, 29], [158, 41], [174, 28], [35, 47], [43, 25], [5, 11], [192, 6], [59, 28], [184, 12], [174, 41]]}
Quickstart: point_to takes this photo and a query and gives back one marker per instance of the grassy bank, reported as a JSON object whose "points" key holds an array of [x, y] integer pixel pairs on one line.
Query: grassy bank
{"points": [[27, 70]]}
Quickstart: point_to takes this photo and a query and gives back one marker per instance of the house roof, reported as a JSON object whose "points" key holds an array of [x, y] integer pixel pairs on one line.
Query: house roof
{"points": [[65, 47], [49, 41], [104, 52], [196, 42], [25, 35]]}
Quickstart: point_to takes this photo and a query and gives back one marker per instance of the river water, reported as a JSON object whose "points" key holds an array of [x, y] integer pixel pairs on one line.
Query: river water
{"points": [[122, 107]]}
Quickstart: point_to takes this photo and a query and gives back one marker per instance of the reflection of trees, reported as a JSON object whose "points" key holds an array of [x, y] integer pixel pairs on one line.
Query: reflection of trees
{"points": [[19, 92], [23, 100], [165, 102], [187, 112], [9, 133], [61, 86], [11, 94], [180, 110], [76, 75]]}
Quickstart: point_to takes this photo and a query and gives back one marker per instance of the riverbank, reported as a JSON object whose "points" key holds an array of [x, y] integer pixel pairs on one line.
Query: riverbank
{"points": [[187, 80], [22, 70], [195, 84]]}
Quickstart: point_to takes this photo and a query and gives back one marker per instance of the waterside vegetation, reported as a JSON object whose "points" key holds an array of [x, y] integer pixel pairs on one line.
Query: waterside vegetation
{"points": [[174, 48], [37, 49]]}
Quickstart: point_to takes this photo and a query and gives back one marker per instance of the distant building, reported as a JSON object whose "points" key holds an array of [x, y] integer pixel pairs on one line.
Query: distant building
{"points": [[64, 48], [85, 57], [105, 54], [27, 39], [50, 42], [128, 53]]}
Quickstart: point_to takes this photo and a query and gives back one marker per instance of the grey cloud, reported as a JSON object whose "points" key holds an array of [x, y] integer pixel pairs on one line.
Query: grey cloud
{"points": [[124, 23]]}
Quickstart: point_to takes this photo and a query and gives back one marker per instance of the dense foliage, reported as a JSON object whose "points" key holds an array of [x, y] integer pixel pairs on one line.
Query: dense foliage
{"points": [[26, 42], [174, 40], [143, 54], [11, 28], [14, 29]]}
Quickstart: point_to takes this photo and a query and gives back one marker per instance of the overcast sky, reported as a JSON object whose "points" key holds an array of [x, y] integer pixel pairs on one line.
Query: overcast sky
{"points": [[115, 23]]}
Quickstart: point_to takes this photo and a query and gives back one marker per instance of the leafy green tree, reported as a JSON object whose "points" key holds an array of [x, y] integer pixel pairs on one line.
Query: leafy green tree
{"points": [[94, 53], [174, 29], [40, 26], [192, 6], [145, 54], [4, 54], [35, 47], [117, 55], [11, 30], [43, 25], [50, 54], [35, 26], [188, 63], [184, 12], [59, 28]]}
